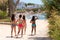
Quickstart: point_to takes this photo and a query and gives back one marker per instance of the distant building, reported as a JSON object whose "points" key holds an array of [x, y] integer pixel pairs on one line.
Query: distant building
{"points": [[32, 6], [22, 5]]}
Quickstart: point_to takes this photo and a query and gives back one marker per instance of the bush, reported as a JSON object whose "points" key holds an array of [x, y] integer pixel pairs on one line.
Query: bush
{"points": [[3, 14], [54, 28], [5, 20]]}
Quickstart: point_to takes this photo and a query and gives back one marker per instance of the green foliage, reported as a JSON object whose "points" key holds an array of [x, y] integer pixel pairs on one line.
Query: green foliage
{"points": [[36, 9], [3, 6], [26, 4], [3, 14], [5, 20], [20, 10], [53, 9], [54, 28], [30, 4], [52, 5], [48, 15]]}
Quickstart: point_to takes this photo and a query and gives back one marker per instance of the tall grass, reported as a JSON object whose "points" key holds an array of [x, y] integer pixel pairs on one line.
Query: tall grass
{"points": [[54, 28]]}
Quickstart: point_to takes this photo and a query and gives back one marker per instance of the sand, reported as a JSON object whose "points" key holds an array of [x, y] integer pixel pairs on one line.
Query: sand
{"points": [[42, 31]]}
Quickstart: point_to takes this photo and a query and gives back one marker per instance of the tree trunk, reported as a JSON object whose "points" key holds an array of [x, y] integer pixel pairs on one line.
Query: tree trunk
{"points": [[12, 6]]}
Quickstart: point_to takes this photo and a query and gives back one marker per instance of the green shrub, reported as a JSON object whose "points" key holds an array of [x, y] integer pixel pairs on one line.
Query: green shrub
{"points": [[54, 28], [3, 14], [5, 20]]}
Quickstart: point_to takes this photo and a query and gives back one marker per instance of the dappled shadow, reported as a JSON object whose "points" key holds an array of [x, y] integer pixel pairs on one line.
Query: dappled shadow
{"points": [[40, 38], [9, 37], [31, 35]]}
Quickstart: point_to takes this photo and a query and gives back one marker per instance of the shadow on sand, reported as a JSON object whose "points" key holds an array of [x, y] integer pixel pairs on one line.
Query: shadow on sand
{"points": [[13, 37], [39, 38]]}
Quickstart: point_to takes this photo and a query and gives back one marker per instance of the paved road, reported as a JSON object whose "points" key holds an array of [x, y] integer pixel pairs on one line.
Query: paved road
{"points": [[42, 31]]}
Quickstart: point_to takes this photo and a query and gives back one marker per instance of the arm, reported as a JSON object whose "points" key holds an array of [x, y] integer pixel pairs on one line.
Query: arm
{"points": [[17, 20], [36, 18], [30, 21]]}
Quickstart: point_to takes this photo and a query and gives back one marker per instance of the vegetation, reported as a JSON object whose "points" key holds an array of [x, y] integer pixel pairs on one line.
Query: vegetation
{"points": [[21, 10], [29, 4], [3, 14], [3, 9], [35, 9], [12, 6], [54, 28], [52, 7], [5, 20], [3, 5]]}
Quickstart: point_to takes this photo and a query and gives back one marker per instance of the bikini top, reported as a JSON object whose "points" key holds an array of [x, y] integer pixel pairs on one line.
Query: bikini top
{"points": [[33, 22], [20, 21]]}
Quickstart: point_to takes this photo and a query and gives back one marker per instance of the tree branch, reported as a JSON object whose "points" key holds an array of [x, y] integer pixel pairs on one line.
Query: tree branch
{"points": [[17, 2]]}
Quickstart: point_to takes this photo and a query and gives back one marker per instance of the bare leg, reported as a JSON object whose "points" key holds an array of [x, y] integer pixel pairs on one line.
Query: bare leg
{"points": [[15, 30], [32, 31], [25, 30], [21, 32], [18, 31], [11, 31]]}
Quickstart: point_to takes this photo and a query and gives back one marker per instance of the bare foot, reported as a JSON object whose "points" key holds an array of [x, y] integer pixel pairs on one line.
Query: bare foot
{"points": [[31, 34], [11, 36]]}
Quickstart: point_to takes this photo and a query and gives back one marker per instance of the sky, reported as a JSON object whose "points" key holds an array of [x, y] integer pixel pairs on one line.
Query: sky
{"points": [[32, 1]]}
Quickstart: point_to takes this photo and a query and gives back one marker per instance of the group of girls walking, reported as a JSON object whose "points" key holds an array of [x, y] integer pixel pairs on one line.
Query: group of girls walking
{"points": [[21, 23]]}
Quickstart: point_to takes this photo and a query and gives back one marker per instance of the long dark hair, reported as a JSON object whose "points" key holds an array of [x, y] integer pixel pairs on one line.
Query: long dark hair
{"points": [[33, 18], [12, 17], [20, 16], [24, 17]]}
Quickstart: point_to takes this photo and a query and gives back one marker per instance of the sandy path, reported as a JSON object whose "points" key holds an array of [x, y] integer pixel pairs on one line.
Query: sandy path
{"points": [[42, 29]]}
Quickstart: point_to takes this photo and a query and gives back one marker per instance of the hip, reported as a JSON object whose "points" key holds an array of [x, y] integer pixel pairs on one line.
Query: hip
{"points": [[33, 25], [13, 25]]}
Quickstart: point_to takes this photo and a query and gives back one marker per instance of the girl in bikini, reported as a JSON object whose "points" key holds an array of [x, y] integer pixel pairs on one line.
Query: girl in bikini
{"points": [[13, 25], [24, 24], [20, 26], [33, 25]]}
